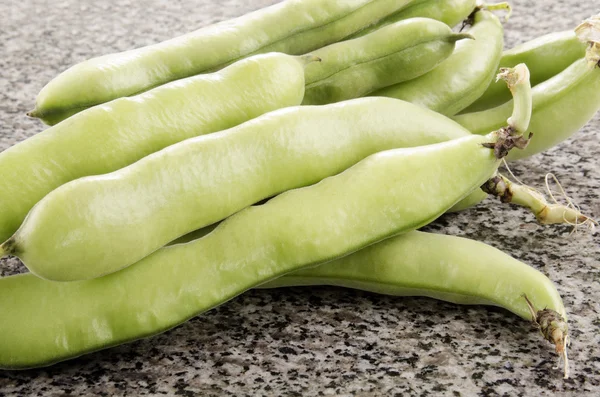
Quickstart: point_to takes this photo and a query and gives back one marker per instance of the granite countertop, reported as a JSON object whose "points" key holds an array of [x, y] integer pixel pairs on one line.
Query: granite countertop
{"points": [[324, 341]]}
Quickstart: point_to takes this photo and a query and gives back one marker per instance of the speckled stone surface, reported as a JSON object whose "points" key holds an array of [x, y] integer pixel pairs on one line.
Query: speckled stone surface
{"points": [[323, 341]]}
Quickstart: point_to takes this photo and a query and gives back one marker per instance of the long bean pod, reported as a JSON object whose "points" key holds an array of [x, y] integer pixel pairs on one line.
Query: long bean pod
{"points": [[450, 12], [386, 194], [309, 24], [448, 268], [109, 137], [443, 267], [463, 77], [100, 224], [395, 53]]}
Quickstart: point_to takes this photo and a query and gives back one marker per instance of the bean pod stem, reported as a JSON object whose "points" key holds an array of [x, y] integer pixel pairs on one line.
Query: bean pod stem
{"points": [[546, 213], [517, 79], [511, 136]]}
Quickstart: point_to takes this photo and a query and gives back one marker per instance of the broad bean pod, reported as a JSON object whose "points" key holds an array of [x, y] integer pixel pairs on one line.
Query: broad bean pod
{"points": [[545, 56], [448, 268], [463, 77], [450, 12], [114, 135], [388, 193], [395, 53], [309, 24], [99, 224]]}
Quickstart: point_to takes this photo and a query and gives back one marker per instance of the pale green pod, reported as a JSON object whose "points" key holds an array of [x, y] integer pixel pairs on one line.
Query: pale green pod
{"points": [[293, 27], [463, 77], [99, 224], [545, 56], [471, 200], [388, 193], [561, 106], [449, 268], [392, 54], [114, 135], [450, 12]]}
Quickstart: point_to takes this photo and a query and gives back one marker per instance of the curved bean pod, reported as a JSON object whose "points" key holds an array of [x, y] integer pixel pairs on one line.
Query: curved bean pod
{"points": [[309, 24], [545, 56], [385, 194], [463, 77], [448, 268], [109, 137], [99, 224], [561, 106], [390, 55], [450, 12]]}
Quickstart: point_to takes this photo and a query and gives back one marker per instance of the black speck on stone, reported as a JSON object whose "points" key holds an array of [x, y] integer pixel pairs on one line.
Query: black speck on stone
{"points": [[287, 350]]}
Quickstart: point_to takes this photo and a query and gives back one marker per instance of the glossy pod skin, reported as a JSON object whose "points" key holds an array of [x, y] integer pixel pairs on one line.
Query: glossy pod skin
{"points": [[388, 193], [463, 77], [99, 224], [395, 53], [309, 24], [545, 56], [109, 137], [561, 106], [449, 268], [450, 12]]}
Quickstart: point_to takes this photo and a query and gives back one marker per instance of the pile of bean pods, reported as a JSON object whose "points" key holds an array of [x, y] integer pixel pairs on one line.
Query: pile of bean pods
{"points": [[246, 153]]}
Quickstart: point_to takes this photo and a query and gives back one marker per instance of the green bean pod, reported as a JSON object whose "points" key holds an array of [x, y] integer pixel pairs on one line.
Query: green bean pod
{"points": [[450, 12], [388, 193], [463, 77], [561, 106], [112, 136], [448, 268], [390, 55], [545, 56], [307, 25], [99, 224]]}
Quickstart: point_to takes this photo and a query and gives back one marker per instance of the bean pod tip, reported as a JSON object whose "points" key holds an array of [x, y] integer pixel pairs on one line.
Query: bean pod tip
{"points": [[555, 330], [589, 32]]}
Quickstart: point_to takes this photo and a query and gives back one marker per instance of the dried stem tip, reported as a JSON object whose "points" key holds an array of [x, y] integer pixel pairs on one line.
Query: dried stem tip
{"points": [[506, 140], [554, 328], [525, 196], [589, 32]]}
